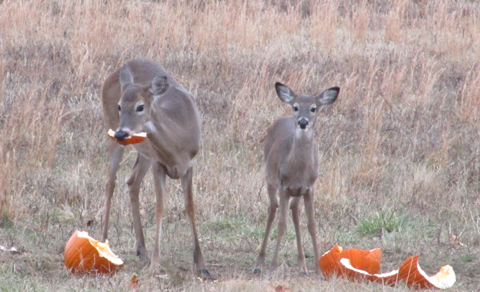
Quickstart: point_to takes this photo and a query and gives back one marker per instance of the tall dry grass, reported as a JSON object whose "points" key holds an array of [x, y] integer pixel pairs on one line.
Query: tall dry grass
{"points": [[402, 138]]}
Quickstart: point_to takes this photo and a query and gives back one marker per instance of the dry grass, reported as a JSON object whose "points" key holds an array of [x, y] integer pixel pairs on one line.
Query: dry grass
{"points": [[401, 144]]}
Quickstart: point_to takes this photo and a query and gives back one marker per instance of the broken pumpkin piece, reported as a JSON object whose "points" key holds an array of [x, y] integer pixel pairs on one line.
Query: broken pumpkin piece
{"points": [[85, 255], [413, 275], [134, 139], [389, 278], [363, 264], [365, 260]]}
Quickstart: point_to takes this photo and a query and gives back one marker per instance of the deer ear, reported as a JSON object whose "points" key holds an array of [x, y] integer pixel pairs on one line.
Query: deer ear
{"points": [[284, 93], [126, 76], [329, 96], [159, 85]]}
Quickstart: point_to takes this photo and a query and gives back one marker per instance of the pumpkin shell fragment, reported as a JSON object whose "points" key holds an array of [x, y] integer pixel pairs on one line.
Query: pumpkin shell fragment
{"points": [[363, 264], [413, 275], [365, 260], [85, 255], [134, 139]]}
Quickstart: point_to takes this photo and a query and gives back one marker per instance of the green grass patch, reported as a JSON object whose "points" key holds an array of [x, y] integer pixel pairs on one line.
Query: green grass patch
{"points": [[384, 221], [468, 258]]}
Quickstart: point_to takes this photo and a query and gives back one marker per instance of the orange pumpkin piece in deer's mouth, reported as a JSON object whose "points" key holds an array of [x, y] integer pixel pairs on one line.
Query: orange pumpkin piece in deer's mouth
{"points": [[85, 255], [136, 138]]}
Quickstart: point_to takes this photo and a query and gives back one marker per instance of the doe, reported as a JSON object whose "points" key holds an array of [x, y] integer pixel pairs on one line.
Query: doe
{"points": [[292, 167], [142, 97]]}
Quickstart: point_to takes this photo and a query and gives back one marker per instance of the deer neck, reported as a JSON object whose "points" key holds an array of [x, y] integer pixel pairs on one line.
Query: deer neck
{"points": [[299, 159], [299, 169], [159, 135], [170, 143], [302, 145]]}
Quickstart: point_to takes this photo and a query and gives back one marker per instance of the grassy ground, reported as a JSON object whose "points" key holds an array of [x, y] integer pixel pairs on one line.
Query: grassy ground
{"points": [[399, 150]]}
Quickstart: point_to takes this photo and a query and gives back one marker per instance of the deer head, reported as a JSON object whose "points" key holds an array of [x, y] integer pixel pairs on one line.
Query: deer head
{"points": [[305, 107], [136, 102]]}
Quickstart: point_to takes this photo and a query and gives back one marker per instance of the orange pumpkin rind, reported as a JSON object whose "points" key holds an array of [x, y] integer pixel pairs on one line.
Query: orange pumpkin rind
{"points": [[86, 255], [389, 278], [134, 139], [365, 260], [363, 264], [413, 275]]}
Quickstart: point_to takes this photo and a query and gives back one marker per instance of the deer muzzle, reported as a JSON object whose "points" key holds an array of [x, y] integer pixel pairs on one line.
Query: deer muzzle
{"points": [[121, 135], [303, 123]]}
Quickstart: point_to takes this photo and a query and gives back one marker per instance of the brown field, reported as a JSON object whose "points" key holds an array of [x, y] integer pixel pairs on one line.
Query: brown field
{"points": [[399, 151]]}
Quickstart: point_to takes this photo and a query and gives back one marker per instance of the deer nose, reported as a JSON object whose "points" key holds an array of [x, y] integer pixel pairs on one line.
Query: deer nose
{"points": [[121, 135], [303, 123]]}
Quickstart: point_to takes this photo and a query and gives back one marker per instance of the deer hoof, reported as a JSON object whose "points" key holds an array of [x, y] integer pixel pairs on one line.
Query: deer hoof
{"points": [[205, 273]]}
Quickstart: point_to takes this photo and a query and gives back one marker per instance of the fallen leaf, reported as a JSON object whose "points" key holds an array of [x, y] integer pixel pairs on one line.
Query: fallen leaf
{"points": [[455, 240], [279, 288], [134, 283]]}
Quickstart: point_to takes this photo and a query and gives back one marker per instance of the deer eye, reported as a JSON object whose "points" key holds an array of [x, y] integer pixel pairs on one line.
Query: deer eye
{"points": [[313, 109], [295, 108], [140, 108], [119, 108]]}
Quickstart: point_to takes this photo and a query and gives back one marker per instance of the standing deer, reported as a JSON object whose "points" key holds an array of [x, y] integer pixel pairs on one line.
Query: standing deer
{"points": [[142, 97], [292, 168]]}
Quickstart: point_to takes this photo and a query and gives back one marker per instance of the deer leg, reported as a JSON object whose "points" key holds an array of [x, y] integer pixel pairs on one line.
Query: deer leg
{"points": [[115, 153], [296, 222], [159, 176], [190, 209], [140, 168], [272, 210], [282, 225], [308, 199]]}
